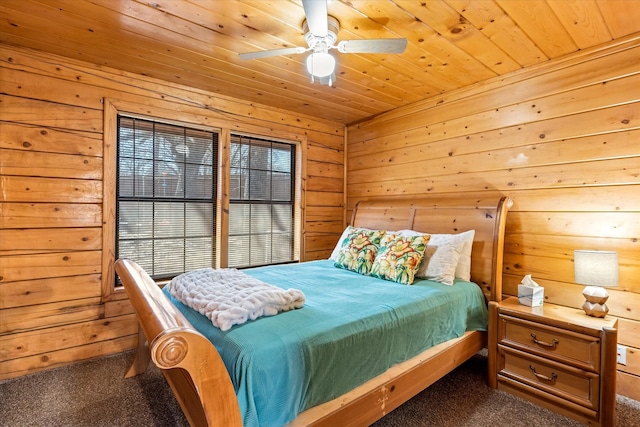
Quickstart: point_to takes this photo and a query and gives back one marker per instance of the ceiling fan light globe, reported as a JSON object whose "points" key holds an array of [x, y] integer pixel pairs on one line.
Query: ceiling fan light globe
{"points": [[321, 64]]}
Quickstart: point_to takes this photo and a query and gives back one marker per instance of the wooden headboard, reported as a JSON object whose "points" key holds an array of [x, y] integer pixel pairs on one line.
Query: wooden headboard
{"points": [[446, 216]]}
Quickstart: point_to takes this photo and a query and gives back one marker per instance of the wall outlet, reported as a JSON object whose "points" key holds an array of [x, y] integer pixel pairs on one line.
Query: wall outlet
{"points": [[622, 354]]}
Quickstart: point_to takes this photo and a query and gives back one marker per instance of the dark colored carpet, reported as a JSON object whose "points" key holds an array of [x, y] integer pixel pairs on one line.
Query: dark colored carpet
{"points": [[94, 393]]}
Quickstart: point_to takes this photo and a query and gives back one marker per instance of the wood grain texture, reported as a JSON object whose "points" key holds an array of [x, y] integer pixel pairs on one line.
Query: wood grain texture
{"points": [[561, 143], [452, 44], [57, 183], [448, 111]]}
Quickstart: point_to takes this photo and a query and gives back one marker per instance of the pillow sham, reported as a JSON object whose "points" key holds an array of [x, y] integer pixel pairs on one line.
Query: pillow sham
{"points": [[399, 257], [439, 267], [440, 263], [359, 250], [463, 269], [343, 236]]}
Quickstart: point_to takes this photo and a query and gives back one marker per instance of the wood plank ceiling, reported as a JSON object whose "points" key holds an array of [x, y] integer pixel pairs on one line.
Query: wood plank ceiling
{"points": [[451, 44]]}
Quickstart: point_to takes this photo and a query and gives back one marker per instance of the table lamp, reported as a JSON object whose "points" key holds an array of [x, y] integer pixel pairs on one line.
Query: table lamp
{"points": [[596, 269]]}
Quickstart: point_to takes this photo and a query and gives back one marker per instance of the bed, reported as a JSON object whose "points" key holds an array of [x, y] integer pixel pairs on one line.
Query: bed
{"points": [[206, 391]]}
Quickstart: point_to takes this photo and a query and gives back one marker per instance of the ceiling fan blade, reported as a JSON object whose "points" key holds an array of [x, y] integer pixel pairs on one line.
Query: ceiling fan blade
{"points": [[272, 52], [316, 13], [373, 46]]}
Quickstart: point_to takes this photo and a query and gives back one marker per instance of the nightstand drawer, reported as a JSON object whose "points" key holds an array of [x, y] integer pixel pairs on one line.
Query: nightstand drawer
{"points": [[565, 382], [547, 341]]}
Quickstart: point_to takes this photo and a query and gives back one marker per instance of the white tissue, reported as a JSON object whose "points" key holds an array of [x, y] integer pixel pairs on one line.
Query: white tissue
{"points": [[528, 281]]}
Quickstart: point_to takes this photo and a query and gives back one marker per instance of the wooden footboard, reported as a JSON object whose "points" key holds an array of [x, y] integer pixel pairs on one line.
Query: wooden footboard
{"points": [[190, 363], [200, 381]]}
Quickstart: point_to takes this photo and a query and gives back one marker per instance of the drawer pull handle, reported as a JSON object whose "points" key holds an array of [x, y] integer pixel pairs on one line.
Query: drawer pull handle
{"points": [[553, 343], [543, 377]]}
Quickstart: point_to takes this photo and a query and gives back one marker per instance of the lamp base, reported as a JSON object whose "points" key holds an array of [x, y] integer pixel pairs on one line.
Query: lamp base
{"points": [[595, 309], [595, 297]]}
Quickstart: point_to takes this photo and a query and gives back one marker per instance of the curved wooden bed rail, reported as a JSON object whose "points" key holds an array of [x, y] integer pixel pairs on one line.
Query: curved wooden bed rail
{"points": [[190, 363], [199, 379]]}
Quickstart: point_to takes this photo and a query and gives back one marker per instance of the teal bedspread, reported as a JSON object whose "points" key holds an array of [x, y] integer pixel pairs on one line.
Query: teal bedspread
{"points": [[351, 329]]}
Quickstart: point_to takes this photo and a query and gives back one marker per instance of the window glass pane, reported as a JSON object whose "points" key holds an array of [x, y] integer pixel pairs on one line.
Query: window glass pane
{"points": [[135, 220], [169, 255], [201, 220], [141, 251], [260, 183], [261, 201], [239, 153], [237, 184], [239, 251], [260, 249], [126, 181], [142, 143], [166, 196], [169, 220], [239, 219], [260, 156], [282, 219], [281, 186], [281, 157], [143, 178], [165, 145], [198, 184], [198, 252], [167, 180], [282, 248], [198, 148], [260, 218]]}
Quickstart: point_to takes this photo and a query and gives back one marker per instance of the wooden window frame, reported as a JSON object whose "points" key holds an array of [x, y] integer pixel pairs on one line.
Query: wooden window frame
{"points": [[269, 202], [113, 108]]}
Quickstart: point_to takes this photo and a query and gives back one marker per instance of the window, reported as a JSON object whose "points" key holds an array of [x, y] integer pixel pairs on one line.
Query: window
{"points": [[166, 205], [261, 205], [166, 196]]}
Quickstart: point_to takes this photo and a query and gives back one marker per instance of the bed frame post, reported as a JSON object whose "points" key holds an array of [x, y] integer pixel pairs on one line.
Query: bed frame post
{"points": [[492, 345], [503, 207], [142, 356]]}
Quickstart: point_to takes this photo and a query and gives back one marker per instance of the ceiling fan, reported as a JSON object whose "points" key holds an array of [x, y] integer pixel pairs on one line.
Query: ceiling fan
{"points": [[321, 34]]}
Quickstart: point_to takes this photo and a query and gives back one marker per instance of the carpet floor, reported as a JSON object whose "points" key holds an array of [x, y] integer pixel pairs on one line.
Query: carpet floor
{"points": [[95, 394]]}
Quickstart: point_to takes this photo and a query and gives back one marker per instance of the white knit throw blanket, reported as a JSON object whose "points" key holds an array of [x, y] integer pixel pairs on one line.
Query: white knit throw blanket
{"points": [[230, 297]]}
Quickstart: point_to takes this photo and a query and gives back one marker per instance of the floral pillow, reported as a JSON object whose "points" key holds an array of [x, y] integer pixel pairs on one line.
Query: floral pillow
{"points": [[399, 257], [359, 250], [343, 236]]}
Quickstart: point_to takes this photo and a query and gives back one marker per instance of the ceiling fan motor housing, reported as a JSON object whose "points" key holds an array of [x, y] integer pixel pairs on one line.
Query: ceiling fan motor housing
{"points": [[322, 43]]}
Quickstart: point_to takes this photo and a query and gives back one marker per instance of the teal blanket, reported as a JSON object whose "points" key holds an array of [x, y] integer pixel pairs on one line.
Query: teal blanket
{"points": [[351, 329]]}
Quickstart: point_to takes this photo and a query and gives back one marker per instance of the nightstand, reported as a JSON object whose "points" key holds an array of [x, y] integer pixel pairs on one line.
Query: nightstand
{"points": [[556, 357]]}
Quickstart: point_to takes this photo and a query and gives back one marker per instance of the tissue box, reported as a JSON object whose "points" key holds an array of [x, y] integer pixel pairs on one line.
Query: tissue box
{"points": [[532, 296]]}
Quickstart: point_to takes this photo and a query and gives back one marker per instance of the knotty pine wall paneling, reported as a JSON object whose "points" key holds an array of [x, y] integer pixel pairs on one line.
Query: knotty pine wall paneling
{"points": [[52, 309], [561, 139]]}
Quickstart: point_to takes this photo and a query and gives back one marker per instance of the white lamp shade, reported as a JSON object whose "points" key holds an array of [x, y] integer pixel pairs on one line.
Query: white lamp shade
{"points": [[321, 64], [596, 268]]}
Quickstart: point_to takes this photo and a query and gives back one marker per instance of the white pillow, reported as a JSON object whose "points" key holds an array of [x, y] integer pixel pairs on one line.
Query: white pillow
{"points": [[462, 243], [439, 263], [463, 270]]}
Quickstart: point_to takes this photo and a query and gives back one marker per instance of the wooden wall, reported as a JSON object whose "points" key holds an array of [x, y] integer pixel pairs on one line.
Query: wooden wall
{"points": [[561, 139], [52, 310]]}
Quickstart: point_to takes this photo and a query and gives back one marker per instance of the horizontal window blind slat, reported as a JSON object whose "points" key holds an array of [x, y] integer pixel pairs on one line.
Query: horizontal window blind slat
{"points": [[261, 205], [166, 197]]}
